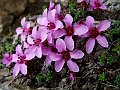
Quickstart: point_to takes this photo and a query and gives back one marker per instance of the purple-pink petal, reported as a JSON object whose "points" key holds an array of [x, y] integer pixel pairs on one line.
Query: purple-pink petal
{"points": [[89, 22], [58, 8], [23, 69], [38, 52], [42, 21], [80, 29], [103, 6], [55, 57], [47, 61], [19, 50], [103, 25], [30, 40], [69, 42], [19, 30], [58, 24], [90, 45], [59, 33], [72, 66], [60, 45], [15, 58], [76, 54], [68, 20], [16, 70], [59, 65], [51, 15], [102, 41]]}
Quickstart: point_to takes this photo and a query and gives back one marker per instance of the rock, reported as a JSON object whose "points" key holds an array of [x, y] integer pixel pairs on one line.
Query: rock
{"points": [[9, 9]]}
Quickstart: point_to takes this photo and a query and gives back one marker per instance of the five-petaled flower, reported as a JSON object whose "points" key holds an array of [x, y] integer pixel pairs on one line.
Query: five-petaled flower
{"points": [[94, 33]]}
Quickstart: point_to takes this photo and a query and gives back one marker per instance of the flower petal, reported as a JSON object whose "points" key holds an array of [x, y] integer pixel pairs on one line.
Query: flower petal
{"points": [[68, 20], [76, 54], [15, 58], [45, 13], [103, 6], [90, 45], [80, 29], [60, 45], [30, 40], [46, 50], [55, 57], [19, 30], [47, 61], [42, 21], [59, 65], [30, 53], [89, 22], [34, 32], [72, 66], [58, 8], [38, 52], [58, 25], [51, 15], [42, 34], [23, 69], [23, 21], [51, 5], [16, 70], [23, 37], [19, 50], [59, 33], [104, 25], [69, 42], [102, 41], [50, 38]]}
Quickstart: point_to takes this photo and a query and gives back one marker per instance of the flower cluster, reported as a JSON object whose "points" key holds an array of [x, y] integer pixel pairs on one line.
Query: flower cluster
{"points": [[52, 36]]}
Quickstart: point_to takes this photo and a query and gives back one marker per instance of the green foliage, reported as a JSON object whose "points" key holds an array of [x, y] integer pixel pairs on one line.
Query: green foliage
{"points": [[44, 77], [111, 59], [115, 31], [77, 13], [117, 80], [6, 45], [117, 47], [72, 7], [2, 66], [102, 76], [103, 58]]}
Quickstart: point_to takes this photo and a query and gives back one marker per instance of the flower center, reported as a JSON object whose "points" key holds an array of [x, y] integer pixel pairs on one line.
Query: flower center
{"points": [[37, 42], [28, 30], [66, 55], [94, 32], [69, 31], [97, 3], [22, 59], [51, 26], [61, 16], [53, 49]]}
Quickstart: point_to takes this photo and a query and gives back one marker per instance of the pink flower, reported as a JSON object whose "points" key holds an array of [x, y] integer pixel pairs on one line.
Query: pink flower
{"points": [[34, 42], [24, 30], [7, 59], [72, 30], [94, 33], [50, 23], [20, 59], [97, 4], [65, 56], [58, 15]]}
